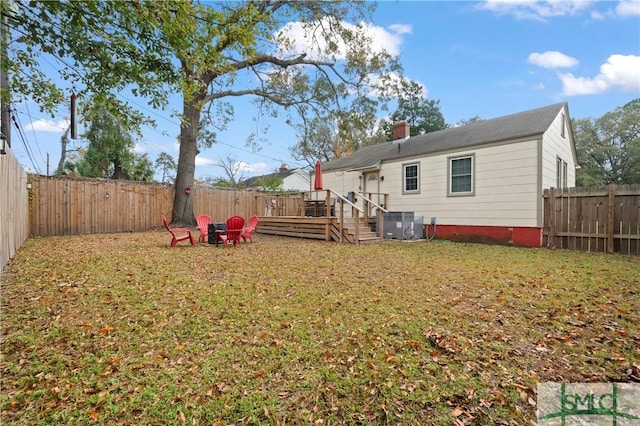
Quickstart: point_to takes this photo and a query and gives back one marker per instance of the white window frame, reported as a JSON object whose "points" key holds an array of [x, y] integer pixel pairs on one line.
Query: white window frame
{"points": [[405, 177], [559, 172], [450, 161]]}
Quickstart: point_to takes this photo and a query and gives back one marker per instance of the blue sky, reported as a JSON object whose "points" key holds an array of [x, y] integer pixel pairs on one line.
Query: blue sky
{"points": [[481, 58]]}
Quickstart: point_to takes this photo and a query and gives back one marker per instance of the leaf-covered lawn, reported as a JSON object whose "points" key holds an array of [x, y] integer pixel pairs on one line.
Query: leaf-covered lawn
{"points": [[122, 329]]}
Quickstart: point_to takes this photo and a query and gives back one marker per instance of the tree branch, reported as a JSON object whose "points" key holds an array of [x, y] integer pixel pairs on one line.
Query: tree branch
{"points": [[256, 92]]}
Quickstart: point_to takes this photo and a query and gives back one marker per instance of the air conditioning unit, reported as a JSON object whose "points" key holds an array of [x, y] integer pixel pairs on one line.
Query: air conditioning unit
{"points": [[403, 226]]}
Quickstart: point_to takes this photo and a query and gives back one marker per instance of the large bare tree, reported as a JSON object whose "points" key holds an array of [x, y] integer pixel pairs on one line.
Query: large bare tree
{"points": [[299, 58]]}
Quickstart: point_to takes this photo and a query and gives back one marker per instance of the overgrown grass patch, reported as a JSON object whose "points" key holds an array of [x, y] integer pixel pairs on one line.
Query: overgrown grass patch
{"points": [[122, 329]]}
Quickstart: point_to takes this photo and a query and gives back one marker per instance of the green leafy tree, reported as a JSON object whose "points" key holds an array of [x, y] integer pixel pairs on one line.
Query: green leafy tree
{"points": [[100, 47], [608, 148], [109, 152], [167, 165], [423, 115], [218, 182], [332, 137], [212, 53], [317, 141], [271, 183], [141, 168], [465, 121]]}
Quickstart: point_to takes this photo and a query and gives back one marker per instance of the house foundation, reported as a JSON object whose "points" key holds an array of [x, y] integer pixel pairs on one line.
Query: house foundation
{"points": [[507, 235]]}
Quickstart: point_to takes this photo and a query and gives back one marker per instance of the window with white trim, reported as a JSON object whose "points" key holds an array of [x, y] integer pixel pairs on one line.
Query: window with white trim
{"points": [[461, 175], [411, 174], [562, 179]]}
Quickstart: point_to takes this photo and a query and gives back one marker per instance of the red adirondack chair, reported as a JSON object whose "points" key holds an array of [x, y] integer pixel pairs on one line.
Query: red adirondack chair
{"points": [[178, 234], [203, 222], [247, 231], [234, 229]]}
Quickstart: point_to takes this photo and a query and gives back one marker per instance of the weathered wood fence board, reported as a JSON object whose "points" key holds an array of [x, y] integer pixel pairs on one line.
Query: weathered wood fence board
{"points": [[68, 206], [599, 219], [605, 219], [61, 206], [14, 207]]}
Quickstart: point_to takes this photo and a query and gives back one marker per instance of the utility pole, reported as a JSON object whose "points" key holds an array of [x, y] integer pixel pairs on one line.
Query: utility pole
{"points": [[5, 92]]}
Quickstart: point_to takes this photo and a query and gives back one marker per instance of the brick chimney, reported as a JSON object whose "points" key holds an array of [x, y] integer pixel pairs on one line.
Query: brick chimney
{"points": [[400, 130], [283, 169]]}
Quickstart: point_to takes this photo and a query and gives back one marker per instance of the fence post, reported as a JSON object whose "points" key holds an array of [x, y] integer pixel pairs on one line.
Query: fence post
{"points": [[551, 239], [610, 214]]}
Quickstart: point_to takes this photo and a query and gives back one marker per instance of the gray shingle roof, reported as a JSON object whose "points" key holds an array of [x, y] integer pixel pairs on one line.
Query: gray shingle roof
{"points": [[255, 180], [522, 124]]}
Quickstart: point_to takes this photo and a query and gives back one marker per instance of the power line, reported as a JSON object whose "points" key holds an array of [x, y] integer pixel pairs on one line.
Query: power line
{"points": [[139, 106], [24, 142], [35, 139]]}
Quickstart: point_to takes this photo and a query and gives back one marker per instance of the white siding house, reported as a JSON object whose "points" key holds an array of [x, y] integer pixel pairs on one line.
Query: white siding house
{"points": [[292, 180], [480, 181]]}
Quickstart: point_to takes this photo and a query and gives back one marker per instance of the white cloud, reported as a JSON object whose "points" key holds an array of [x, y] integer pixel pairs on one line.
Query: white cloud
{"points": [[620, 72], [628, 8], [251, 168], [542, 10], [241, 166], [48, 126], [140, 149], [297, 38], [401, 28], [204, 161], [536, 10], [153, 148], [552, 59]]}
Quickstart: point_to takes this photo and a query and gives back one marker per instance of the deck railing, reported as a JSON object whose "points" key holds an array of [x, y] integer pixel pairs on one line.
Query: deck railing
{"points": [[370, 205]]}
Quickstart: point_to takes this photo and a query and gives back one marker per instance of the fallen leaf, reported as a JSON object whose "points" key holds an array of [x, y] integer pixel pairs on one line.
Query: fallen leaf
{"points": [[106, 330]]}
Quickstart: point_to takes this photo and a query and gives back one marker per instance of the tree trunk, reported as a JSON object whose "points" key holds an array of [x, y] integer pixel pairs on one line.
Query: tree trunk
{"points": [[182, 202], [118, 172], [64, 140]]}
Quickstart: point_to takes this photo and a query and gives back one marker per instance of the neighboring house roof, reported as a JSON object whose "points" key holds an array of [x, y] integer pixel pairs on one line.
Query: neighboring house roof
{"points": [[522, 124], [256, 181]]}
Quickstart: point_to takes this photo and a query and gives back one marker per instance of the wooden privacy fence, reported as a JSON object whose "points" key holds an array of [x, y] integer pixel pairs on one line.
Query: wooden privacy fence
{"points": [[599, 219], [67, 206], [14, 214]]}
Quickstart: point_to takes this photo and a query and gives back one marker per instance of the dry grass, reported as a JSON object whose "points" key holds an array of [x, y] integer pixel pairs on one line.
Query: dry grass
{"points": [[122, 329]]}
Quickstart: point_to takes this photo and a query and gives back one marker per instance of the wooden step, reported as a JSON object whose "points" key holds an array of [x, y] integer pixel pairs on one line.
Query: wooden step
{"points": [[371, 240]]}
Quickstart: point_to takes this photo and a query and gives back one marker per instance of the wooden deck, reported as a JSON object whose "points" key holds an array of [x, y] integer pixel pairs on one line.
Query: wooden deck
{"points": [[320, 228]]}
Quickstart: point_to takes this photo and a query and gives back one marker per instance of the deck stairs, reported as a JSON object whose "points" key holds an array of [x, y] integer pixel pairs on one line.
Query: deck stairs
{"points": [[365, 234]]}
